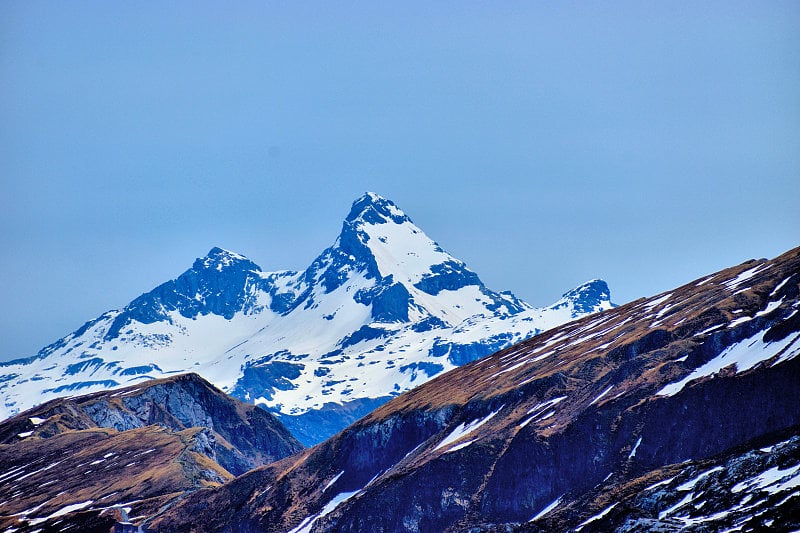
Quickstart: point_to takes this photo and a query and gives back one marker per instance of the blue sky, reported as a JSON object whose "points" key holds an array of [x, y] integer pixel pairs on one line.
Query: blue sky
{"points": [[646, 143]]}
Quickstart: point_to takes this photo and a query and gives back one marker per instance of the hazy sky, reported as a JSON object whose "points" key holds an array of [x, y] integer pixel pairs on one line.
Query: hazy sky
{"points": [[544, 143]]}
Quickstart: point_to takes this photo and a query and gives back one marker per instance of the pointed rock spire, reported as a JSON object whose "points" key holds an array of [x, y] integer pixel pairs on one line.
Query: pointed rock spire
{"points": [[372, 208]]}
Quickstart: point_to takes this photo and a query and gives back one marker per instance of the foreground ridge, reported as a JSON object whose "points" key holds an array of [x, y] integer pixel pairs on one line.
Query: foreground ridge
{"points": [[672, 412]]}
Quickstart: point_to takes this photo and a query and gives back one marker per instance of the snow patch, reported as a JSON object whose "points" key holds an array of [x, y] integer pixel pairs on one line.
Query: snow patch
{"points": [[460, 446], [744, 276], [597, 399], [709, 330], [770, 308], [689, 485], [464, 429], [744, 354], [596, 517], [652, 304], [705, 280], [63, 511], [12, 473], [659, 484], [686, 499], [544, 405], [664, 310], [635, 447], [773, 480], [538, 411], [547, 509], [779, 287], [332, 481], [306, 525], [741, 320], [46, 468]]}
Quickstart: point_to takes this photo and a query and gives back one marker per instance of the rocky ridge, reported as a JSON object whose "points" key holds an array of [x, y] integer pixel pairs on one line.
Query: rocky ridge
{"points": [[77, 461], [638, 418]]}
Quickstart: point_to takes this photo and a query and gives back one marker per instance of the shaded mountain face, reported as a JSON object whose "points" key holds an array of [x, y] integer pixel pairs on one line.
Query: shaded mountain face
{"points": [[676, 412], [76, 461], [379, 312]]}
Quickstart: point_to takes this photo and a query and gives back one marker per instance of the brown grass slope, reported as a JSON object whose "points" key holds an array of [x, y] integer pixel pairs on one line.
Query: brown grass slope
{"points": [[495, 442]]}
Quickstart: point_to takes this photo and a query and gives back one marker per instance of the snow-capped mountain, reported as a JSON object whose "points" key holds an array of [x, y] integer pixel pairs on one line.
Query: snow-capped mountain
{"points": [[379, 312]]}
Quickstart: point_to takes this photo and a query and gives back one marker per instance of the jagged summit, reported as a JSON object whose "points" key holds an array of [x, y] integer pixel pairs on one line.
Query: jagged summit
{"points": [[379, 237], [372, 208], [216, 284], [382, 238], [220, 259]]}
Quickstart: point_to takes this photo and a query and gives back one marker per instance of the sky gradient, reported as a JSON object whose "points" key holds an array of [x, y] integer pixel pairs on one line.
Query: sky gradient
{"points": [[545, 144]]}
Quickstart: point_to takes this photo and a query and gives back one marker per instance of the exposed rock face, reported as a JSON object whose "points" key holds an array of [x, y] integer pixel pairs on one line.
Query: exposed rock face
{"points": [[752, 489], [146, 444], [681, 409], [216, 284]]}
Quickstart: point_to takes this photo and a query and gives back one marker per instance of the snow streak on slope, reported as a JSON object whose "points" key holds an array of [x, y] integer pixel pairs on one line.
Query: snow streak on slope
{"points": [[744, 354], [382, 310]]}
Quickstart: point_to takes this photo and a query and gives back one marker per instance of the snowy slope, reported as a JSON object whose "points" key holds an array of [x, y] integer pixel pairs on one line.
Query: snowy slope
{"points": [[382, 310]]}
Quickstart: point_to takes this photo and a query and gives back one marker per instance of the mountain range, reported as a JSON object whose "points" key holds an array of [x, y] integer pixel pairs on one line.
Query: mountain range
{"points": [[672, 413], [382, 310]]}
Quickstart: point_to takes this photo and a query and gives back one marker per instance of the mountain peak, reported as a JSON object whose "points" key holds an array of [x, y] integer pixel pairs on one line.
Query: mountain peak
{"points": [[372, 208], [594, 295], [593, 286], [219, 259]]}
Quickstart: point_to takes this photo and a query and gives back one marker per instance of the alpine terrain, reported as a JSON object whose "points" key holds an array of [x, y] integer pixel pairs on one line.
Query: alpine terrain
{"points": [[677, 412], [381, 311], [77, 463]]}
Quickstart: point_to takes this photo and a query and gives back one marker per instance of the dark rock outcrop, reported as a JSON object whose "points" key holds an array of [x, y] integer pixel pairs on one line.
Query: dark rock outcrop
{"points": [[216, 284]]}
